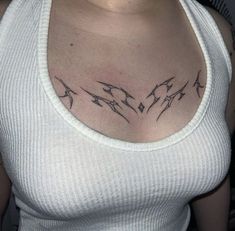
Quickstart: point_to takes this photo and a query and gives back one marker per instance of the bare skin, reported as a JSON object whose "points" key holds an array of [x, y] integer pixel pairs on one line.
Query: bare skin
{"points": [[105, 70], [123, 7]]}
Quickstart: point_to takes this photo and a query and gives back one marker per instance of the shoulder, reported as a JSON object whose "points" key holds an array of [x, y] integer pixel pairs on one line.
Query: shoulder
{"points": [[228, 35], [3, 6], [224, 26]]}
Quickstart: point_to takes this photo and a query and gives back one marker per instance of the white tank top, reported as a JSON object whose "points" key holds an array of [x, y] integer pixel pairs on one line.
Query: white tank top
{"points": [[66, 176]]}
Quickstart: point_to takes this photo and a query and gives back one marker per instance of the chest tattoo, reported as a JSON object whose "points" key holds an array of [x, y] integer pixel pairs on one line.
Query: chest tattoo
{"points": [[170, 98], [112, 104], [153, 92], [118, 104], [197, 84], [67, 92]]}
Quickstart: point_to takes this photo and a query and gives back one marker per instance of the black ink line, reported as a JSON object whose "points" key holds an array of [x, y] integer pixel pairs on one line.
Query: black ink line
{"points": [[67, 92], [197, 84], [127, 95], [153, 92], [112, 104], [169, 99], [141, 107]]}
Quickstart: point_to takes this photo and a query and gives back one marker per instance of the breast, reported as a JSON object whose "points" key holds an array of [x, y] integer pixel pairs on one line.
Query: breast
{"points": [[79, 178]]}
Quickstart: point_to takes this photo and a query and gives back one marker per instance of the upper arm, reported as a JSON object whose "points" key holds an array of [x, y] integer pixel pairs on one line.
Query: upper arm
{"points": [[3, 6], [5, 182], [2, 170], [228, 36], [5, 189]]}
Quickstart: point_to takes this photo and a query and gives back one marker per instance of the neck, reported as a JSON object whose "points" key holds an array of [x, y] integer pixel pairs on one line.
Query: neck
{"points": [[126, 6]]}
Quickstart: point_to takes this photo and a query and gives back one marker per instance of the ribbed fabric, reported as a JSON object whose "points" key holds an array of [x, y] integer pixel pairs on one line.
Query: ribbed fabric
{"points": [[66, 176]]}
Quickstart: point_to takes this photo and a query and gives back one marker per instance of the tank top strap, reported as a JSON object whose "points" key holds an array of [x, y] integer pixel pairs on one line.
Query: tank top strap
{"points": [[210, 28]]}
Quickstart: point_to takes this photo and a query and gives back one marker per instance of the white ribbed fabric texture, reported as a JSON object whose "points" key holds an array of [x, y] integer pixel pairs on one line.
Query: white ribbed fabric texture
{"points": [[67, 176]]}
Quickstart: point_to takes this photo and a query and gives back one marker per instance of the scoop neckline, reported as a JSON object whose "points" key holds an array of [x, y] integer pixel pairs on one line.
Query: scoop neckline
{"points": [[95, 135]]}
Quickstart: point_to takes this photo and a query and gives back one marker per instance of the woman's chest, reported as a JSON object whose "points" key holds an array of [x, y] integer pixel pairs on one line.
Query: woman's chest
{"points": [[131, 90]]}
